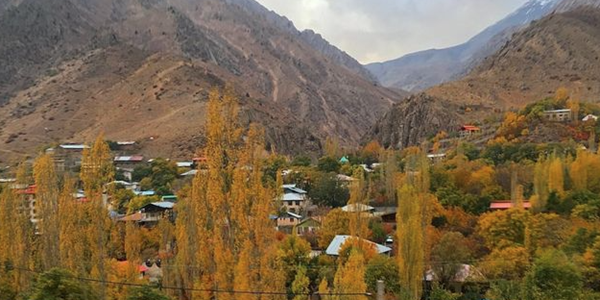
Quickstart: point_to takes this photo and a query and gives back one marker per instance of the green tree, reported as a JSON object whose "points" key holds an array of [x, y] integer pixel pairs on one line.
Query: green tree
{"points": [[448, 256], [328, 191], [145, 293], [328, 164], [58, 284], [300, 285], [552, 276], [382, 268]]}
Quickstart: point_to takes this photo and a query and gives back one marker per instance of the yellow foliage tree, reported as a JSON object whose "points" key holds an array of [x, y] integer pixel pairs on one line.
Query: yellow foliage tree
{"points": [[47, 203], [349, 281]]}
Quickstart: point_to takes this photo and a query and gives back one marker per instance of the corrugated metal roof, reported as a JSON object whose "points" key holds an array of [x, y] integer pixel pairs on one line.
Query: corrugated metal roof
{"points": [[144, 193], [189, 173], [183, 164], [134, 158], [552, 111], [163, 204], [507, 205], [292, 188], [74, 147], [339, 240], [357, 207], [292, 197]]}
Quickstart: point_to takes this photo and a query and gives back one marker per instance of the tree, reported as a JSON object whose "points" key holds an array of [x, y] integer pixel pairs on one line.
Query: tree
{"points": [[327, 191], [96, 171], [293, 252], [508, 263], [224, 219], [448, 257], [58, 284], [336, 222], [503, 228], [384, 268], [328, 164], [47, 201], [552, 276], [324, 290], [413, 216], [350, 279], [300, 284], [145, 293]]}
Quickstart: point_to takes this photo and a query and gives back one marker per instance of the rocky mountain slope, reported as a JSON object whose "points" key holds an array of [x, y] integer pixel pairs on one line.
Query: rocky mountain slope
{"points": [[421, 70], [141, 69], [561, 50]]}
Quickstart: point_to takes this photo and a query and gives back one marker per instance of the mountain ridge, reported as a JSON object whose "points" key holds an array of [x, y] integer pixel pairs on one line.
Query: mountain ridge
{"points": [[418, 71], [295, 91]]}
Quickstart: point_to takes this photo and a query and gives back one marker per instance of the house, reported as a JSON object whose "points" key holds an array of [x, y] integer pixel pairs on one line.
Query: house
{"points": [[151, 213], [507, 204], [338, 241], [27, 193], [128, 162], [468, 130], [387, 214], [287, 220], [558, 115], [308, 226], [67, 156], [436, 158], [294, 199], [590, 117]]}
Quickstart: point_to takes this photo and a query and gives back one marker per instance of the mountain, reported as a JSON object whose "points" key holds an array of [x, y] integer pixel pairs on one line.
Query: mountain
{"points": [[141, 70], [566, 5], [560, 50], [336, 55], [418, 71]]}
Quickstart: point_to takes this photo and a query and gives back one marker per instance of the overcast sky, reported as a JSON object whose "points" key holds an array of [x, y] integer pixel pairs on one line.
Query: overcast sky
{"points": [[378, 30]]}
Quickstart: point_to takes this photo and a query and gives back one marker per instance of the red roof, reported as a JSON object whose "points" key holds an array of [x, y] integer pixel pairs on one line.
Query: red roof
{"points": [[199, 159], [507, 205], [469, 128], [30, 190]]}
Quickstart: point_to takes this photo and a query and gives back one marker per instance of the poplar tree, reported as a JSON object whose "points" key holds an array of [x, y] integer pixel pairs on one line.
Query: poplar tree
{"points": [[224, 224], [47, 192], [72, 230], [413, 216], [300, 285], [96, 171], [540, 185], [556, 179], [350, 279]]}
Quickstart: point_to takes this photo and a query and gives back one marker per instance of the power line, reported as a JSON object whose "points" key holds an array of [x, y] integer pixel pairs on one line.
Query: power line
{"points": [[216, 291]]}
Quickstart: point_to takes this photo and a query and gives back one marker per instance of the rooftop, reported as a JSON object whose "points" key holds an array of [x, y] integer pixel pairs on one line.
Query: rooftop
{"points": [[564, 110], [74, 146], [507, 204], [134, 158], [339, 240]]}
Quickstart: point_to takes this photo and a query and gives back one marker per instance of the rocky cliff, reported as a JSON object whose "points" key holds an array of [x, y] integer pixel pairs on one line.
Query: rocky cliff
{"points": [[141, 69]]}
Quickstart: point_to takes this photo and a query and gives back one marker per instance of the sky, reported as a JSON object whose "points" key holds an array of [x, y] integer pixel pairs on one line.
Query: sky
{"points": [[380, 30]]}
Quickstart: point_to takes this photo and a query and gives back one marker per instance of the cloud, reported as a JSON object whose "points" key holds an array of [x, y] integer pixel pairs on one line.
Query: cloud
{"points": [[378, 30]]}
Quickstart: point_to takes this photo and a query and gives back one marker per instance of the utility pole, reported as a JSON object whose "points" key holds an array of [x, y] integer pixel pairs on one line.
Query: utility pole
{"points": [[380, 290]]}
